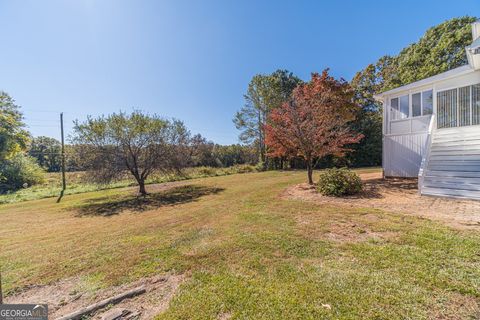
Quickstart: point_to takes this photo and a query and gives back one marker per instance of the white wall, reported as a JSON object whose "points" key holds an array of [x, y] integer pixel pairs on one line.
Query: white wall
{"points": [[402, 154]]}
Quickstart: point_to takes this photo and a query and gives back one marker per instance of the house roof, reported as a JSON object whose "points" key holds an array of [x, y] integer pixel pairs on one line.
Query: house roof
{"points": [[441, 76]]}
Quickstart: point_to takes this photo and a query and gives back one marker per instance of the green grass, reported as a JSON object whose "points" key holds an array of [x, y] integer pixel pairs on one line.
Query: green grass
{"points": [[76, 182], [247, 252]]}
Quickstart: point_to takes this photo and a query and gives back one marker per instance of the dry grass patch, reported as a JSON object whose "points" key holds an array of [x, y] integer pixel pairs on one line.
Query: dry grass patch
{"points": [[354, 232]]}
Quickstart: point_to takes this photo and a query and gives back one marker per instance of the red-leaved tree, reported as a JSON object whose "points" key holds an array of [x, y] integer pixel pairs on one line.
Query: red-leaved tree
{"points": [[314, 123]]}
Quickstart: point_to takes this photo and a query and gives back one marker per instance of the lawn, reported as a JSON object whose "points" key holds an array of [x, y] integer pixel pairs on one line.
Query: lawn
{"points": [[247, 252]]}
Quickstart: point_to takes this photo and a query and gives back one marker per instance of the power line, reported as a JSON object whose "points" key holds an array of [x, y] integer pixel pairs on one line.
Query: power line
{"points": [[42, 125]]}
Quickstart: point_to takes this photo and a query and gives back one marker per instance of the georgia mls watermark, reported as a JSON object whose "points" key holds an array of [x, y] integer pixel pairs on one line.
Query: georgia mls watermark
{"points": [[23, 312]]}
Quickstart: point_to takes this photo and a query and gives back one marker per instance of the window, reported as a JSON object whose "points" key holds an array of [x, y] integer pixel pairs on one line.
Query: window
{"points": [[422, 105], [404, 107], [427, 102], [416, 104], [394, 105]]}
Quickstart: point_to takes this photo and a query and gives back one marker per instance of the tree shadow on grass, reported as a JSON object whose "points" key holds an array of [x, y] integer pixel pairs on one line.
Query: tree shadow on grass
{"points": [[108, 206]]}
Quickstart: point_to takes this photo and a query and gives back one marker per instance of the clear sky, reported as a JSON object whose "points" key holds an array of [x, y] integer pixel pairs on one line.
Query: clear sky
{"points": [[191, 60]]}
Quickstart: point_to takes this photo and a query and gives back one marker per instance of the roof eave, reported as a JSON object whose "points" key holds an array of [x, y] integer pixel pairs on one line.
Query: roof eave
{"points": [[439, 77]]}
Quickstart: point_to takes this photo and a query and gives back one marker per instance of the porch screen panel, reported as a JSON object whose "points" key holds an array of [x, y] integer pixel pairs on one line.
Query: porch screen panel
{"points": [[464, 106], [447, 108], [476, 104]]}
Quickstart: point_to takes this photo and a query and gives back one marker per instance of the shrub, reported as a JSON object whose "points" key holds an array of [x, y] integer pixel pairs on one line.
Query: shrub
{"points": [[18, 172], [339, 182], [260, 166]]}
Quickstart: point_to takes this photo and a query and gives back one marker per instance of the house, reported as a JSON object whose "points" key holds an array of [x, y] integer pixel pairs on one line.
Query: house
{"points": [[431, 129]]}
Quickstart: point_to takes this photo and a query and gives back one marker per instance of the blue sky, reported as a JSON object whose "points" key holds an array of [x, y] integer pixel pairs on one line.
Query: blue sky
{"points": [[191, 60]]}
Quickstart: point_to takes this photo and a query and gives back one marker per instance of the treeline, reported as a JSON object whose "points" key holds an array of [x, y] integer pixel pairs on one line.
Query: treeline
{"points": [[204, 153]]}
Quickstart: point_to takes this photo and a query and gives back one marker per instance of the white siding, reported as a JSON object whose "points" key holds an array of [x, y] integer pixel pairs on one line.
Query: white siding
{"points": [[402, 154]]}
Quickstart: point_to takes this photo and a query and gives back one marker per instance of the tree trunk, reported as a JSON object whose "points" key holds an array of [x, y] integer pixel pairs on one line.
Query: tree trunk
{"points": [[309, 171], [141, 188]]}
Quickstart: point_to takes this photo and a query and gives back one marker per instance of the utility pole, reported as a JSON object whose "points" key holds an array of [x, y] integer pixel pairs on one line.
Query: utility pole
{"points": [[64, 183]]}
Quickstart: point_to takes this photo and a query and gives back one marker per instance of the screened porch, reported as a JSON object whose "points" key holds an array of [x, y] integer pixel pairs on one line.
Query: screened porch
{"points": [[458, 107]]}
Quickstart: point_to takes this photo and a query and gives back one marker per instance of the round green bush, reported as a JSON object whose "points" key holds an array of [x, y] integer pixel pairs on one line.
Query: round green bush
{"points": [[339, 182], [18, 172]]}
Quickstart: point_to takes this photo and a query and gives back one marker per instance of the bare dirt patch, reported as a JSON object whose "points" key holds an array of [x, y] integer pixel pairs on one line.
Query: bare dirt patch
{"points": [[398, 195], [63, 297]]}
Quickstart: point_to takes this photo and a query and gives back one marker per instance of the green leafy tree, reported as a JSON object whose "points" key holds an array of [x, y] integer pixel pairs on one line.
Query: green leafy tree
{"points": [[138, 144], [13, 136], [17, 170], [47, 152], [368, 120], [440, 49], [264, 94]]}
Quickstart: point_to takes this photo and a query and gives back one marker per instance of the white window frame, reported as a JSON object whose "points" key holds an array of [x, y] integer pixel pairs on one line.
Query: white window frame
{"points": [[410, 103], [421, 102], [398, 111]]}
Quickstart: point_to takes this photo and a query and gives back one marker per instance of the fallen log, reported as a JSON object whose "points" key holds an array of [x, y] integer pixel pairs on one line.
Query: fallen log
{"points": [[79, 314]]}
